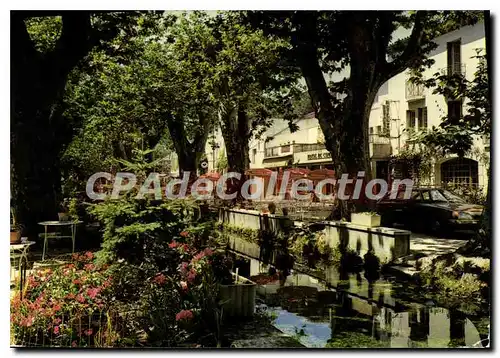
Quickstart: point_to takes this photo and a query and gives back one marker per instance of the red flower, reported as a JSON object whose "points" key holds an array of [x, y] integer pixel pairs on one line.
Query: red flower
{"points": [[198, 256], [184, 233], [77, 281], [184, 315], [80, 298], [160, 279], [56, 307], [191, 275], [184, 268], [56, 330], [173, 244], [89, 267], [73, 344], [89, 255], [92, 292], [208, 251], [70, 296], [88, 332], [57, 321]]}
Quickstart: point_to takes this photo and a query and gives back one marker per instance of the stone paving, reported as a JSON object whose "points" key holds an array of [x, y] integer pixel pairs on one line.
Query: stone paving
{"points": [[425, 245]]}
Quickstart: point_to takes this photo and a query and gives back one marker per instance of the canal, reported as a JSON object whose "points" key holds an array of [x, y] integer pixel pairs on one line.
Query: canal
{"points": [[325, 307]]}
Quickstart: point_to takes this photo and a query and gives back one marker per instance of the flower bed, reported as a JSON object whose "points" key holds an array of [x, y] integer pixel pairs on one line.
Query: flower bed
{"points": [[66, 306]]}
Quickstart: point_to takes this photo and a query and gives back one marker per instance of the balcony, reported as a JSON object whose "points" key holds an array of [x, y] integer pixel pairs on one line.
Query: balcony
{"points": [[279, 151], [455, 69], [313, 147], [414, 91], [380, 146]]}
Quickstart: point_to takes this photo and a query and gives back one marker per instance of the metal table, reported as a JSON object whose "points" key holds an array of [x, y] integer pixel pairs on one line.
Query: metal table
{"points": [[46, 224], [20, 251]]}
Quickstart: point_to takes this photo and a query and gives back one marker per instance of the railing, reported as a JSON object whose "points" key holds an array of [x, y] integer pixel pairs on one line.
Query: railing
{"points": [[379, 139], [313, 147], [414, 91], [455, 69], [272, 152]]}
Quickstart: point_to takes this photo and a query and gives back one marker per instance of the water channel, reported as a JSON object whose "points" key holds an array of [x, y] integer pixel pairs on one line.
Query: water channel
{"points": [[327, 308]]}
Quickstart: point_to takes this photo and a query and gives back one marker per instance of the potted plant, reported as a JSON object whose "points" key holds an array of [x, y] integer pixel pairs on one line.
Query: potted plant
{"points": [[369, 219], [15, 229], [63, 214]]}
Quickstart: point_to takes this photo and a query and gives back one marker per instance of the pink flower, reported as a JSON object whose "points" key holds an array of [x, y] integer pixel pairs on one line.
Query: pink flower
{"points": [[57, 321], [56, 330], [184, 315], [191, 276], [89, 255], [173, 244], [184, 268], [160, 279], [88, 332], [198, 256], [73, 344], [92, 292], [208, 251], [184, 233], [184, 285], [80, 298], [89, 267]]}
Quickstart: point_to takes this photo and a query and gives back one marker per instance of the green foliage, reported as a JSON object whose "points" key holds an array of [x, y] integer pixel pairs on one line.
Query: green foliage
{"points": [[354, 340], [222, 162], [133, 228], [454, 135], [44, 32], [251, 235], [65, 307], [471, 194]]}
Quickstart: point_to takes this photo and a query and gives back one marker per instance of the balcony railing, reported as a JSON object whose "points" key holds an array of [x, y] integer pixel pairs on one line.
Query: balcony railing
{"points": [[414, 91], [272, 152], [379, 139], [455, 69], [313, 147]]}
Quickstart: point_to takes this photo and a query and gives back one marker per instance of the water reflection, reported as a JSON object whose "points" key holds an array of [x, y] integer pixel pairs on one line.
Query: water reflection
{"points": [[342, 310]]}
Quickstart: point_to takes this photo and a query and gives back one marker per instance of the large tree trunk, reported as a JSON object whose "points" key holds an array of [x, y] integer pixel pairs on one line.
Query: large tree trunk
{"points": [[37, 82], [235, 131]]}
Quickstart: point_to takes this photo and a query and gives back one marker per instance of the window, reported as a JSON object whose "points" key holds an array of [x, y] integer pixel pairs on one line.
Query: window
{"points": [[437, 196], [422, 118], [371, 130], [410, 119], [254, 153], [386, 119], [426, 196], [459, 171], [454, 61], [454, 111], [379, 129]]}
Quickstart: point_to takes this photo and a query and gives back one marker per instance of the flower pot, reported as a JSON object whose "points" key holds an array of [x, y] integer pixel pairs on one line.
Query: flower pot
{"points": [[365, 219], [239, 298], [63, 216], [15, 237]]}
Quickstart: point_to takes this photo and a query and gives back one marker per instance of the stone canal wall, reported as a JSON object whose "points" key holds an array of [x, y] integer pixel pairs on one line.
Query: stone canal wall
{"points": [[386, 243]]}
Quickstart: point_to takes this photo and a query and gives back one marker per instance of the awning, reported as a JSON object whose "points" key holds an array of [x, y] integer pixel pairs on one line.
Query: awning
{"points": [[259, 172], [275, 164]]}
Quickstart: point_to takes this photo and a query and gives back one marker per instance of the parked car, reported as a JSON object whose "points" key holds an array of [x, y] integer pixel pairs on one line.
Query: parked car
{"points": [[429, 209]]}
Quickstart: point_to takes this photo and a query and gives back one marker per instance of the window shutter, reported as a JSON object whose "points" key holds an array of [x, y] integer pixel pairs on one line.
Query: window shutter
{"points": [[425, 117]]}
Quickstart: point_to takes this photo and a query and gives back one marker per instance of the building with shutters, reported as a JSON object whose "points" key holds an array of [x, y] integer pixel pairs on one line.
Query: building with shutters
{"points": [[399, 110], [402, 109]]}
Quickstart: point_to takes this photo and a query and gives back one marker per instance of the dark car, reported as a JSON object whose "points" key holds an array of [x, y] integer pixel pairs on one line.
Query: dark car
{"points": [[429, 209]]}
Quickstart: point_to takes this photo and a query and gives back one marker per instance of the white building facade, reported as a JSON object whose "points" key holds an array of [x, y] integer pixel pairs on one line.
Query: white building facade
{"points": [[399, 109]]}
